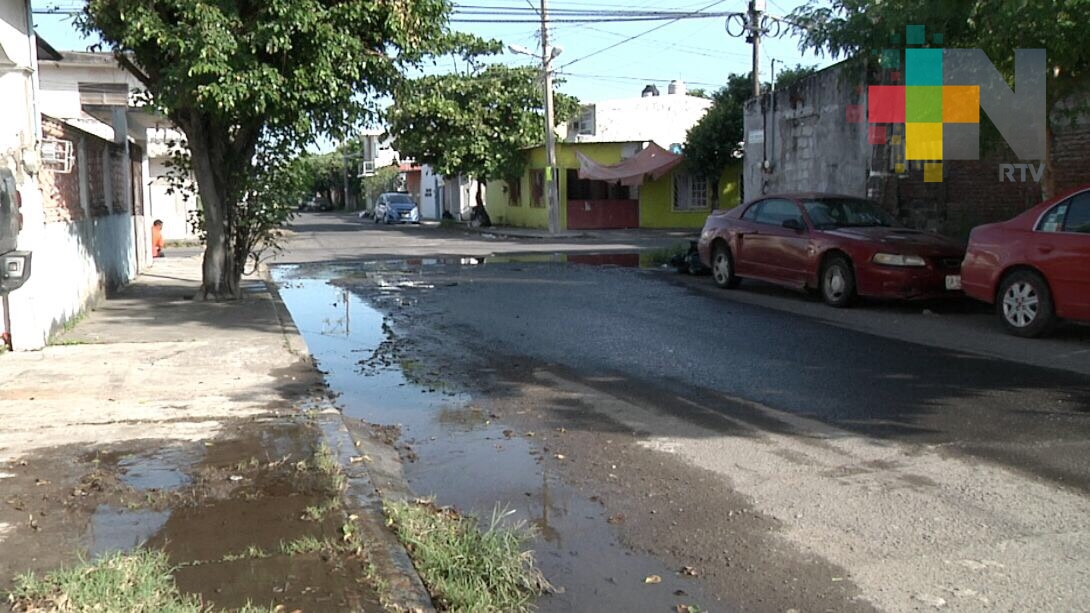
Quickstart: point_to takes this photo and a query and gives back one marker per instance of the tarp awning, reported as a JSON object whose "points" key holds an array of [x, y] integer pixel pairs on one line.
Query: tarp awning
{"points": [[653, 161]]}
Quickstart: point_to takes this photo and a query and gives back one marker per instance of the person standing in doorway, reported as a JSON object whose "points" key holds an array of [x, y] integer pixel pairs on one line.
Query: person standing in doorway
{"points": [[157, 239]]}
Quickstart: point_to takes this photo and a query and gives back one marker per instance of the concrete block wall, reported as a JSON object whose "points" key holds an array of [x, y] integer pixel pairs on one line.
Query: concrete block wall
{"points": [[810, 145], [804, 135]]}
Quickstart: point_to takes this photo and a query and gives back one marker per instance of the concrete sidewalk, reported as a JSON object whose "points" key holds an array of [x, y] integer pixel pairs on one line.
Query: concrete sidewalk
{"points": [[156, 403], [598, 235]]}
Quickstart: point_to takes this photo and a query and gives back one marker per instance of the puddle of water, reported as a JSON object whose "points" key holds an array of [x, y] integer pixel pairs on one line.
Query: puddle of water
{"points": [[467, 461], [164, 469], [288, 274], [114, 529]]}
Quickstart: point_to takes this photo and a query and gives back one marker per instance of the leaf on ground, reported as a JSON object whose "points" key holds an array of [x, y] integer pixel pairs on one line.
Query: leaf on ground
{"points": [[653, 579], [690, 571]]}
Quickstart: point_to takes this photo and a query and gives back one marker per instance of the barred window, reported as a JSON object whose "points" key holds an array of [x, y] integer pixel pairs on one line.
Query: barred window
{"points": [[537, 187], [690, 192]]}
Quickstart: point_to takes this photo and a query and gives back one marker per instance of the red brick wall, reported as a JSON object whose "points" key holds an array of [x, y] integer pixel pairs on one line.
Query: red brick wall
{"points": [[60, 191], [1071, 157], [971, 193]]}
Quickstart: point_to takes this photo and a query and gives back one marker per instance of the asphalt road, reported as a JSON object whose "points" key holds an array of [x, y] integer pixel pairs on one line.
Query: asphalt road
{"points": [[788, 353], [914, 449], [621, 322]]}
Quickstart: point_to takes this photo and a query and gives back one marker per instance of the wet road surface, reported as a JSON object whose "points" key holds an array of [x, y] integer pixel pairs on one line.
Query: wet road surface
{"points": [[614, 321], [455, 450], [634, 336]]}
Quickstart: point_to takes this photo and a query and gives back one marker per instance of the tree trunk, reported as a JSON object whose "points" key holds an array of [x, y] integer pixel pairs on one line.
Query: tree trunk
{"points": [[480, 214], [220, 276]]}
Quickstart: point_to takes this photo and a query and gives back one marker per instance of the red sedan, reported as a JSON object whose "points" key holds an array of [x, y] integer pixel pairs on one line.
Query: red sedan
{"points": [[843, 246], [1035, 267]]}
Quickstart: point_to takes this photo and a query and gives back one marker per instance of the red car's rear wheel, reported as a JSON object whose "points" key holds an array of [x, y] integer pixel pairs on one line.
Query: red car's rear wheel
{"points": [[1025, 304]]}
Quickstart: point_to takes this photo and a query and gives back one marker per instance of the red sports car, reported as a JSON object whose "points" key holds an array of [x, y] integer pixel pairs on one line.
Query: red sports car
{"points": [[841, 245], [1035, 267]]}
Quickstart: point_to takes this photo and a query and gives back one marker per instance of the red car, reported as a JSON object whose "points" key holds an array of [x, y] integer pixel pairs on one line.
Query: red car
{"points": [[841, 245], [1035, 267]]}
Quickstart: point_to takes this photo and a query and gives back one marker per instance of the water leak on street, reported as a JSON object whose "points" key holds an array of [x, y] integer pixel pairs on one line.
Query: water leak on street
{"points": [[455, 450]]}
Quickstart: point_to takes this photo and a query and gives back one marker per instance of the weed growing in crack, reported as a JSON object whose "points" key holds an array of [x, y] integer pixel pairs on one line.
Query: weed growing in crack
{"points": [[307, 544], [321, 511], [467, 568], [252, 552], [136, 581]]}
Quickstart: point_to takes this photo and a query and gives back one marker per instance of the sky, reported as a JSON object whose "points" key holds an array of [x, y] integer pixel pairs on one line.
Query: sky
{"points": [[699, 51]]}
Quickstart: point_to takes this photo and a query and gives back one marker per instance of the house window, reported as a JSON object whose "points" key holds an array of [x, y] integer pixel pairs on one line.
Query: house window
{"points": [[537, 187], [690, 192], [112, 94], [584, 124], [514, 192]]}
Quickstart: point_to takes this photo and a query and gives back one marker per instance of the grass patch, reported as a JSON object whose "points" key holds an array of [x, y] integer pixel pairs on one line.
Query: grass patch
{"points": [[659, 257], [136, 581], [318, 512], [464, 567], [307, 544], [252, 552]]}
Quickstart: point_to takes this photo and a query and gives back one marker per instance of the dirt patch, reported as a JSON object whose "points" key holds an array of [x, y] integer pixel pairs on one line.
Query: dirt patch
{"points": [[226, 512]]}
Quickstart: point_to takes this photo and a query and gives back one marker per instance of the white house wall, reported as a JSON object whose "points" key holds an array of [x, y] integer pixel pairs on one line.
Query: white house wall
{"points": [[60, 98], [173, 209], [74, 264], [664, 120]]}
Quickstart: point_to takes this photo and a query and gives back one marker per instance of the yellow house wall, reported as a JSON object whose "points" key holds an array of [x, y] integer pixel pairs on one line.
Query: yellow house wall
{"points": [[656, 197], [657, 201]]}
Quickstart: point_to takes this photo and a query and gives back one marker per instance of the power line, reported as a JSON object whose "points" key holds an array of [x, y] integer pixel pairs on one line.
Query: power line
{"points": [[581, 75], [635, 36], [669, 19], [702, 51]]}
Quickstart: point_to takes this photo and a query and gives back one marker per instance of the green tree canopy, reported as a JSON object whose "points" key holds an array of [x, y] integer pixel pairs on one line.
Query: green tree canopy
{"points": [[250, 83], [714, 142], [473, 124], [789, 76]]}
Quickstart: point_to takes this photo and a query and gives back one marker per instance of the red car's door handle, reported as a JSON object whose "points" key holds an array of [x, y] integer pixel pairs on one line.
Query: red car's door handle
{"points": [[1044, 248]]}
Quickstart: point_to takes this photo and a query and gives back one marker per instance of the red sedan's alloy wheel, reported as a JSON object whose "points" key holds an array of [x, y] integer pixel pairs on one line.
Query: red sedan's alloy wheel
{"points": [[1025, 304]]}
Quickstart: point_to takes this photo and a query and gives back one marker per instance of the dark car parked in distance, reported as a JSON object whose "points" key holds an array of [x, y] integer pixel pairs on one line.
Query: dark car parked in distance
{"points": [[840, 245], [396, 207], [1036, 267]]}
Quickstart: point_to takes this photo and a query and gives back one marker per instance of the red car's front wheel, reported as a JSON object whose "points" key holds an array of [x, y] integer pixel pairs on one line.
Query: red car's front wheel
{"points": [[723, 267], [838, 282]]}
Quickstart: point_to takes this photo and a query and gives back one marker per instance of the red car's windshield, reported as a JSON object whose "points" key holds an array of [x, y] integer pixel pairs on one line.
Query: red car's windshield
{"points": [[847, 212]]}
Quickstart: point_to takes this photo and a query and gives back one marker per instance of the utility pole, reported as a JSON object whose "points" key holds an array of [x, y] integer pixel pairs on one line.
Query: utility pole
{"points": [[756, 7], [552, 195], [346, 181]]}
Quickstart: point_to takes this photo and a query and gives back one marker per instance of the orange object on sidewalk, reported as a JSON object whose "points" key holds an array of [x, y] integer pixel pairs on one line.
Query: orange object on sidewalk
{"points": [[157, 239]]}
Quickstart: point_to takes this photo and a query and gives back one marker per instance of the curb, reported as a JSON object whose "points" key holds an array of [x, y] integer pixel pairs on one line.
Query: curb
{"points": [[404, 590], [499, 232]]}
